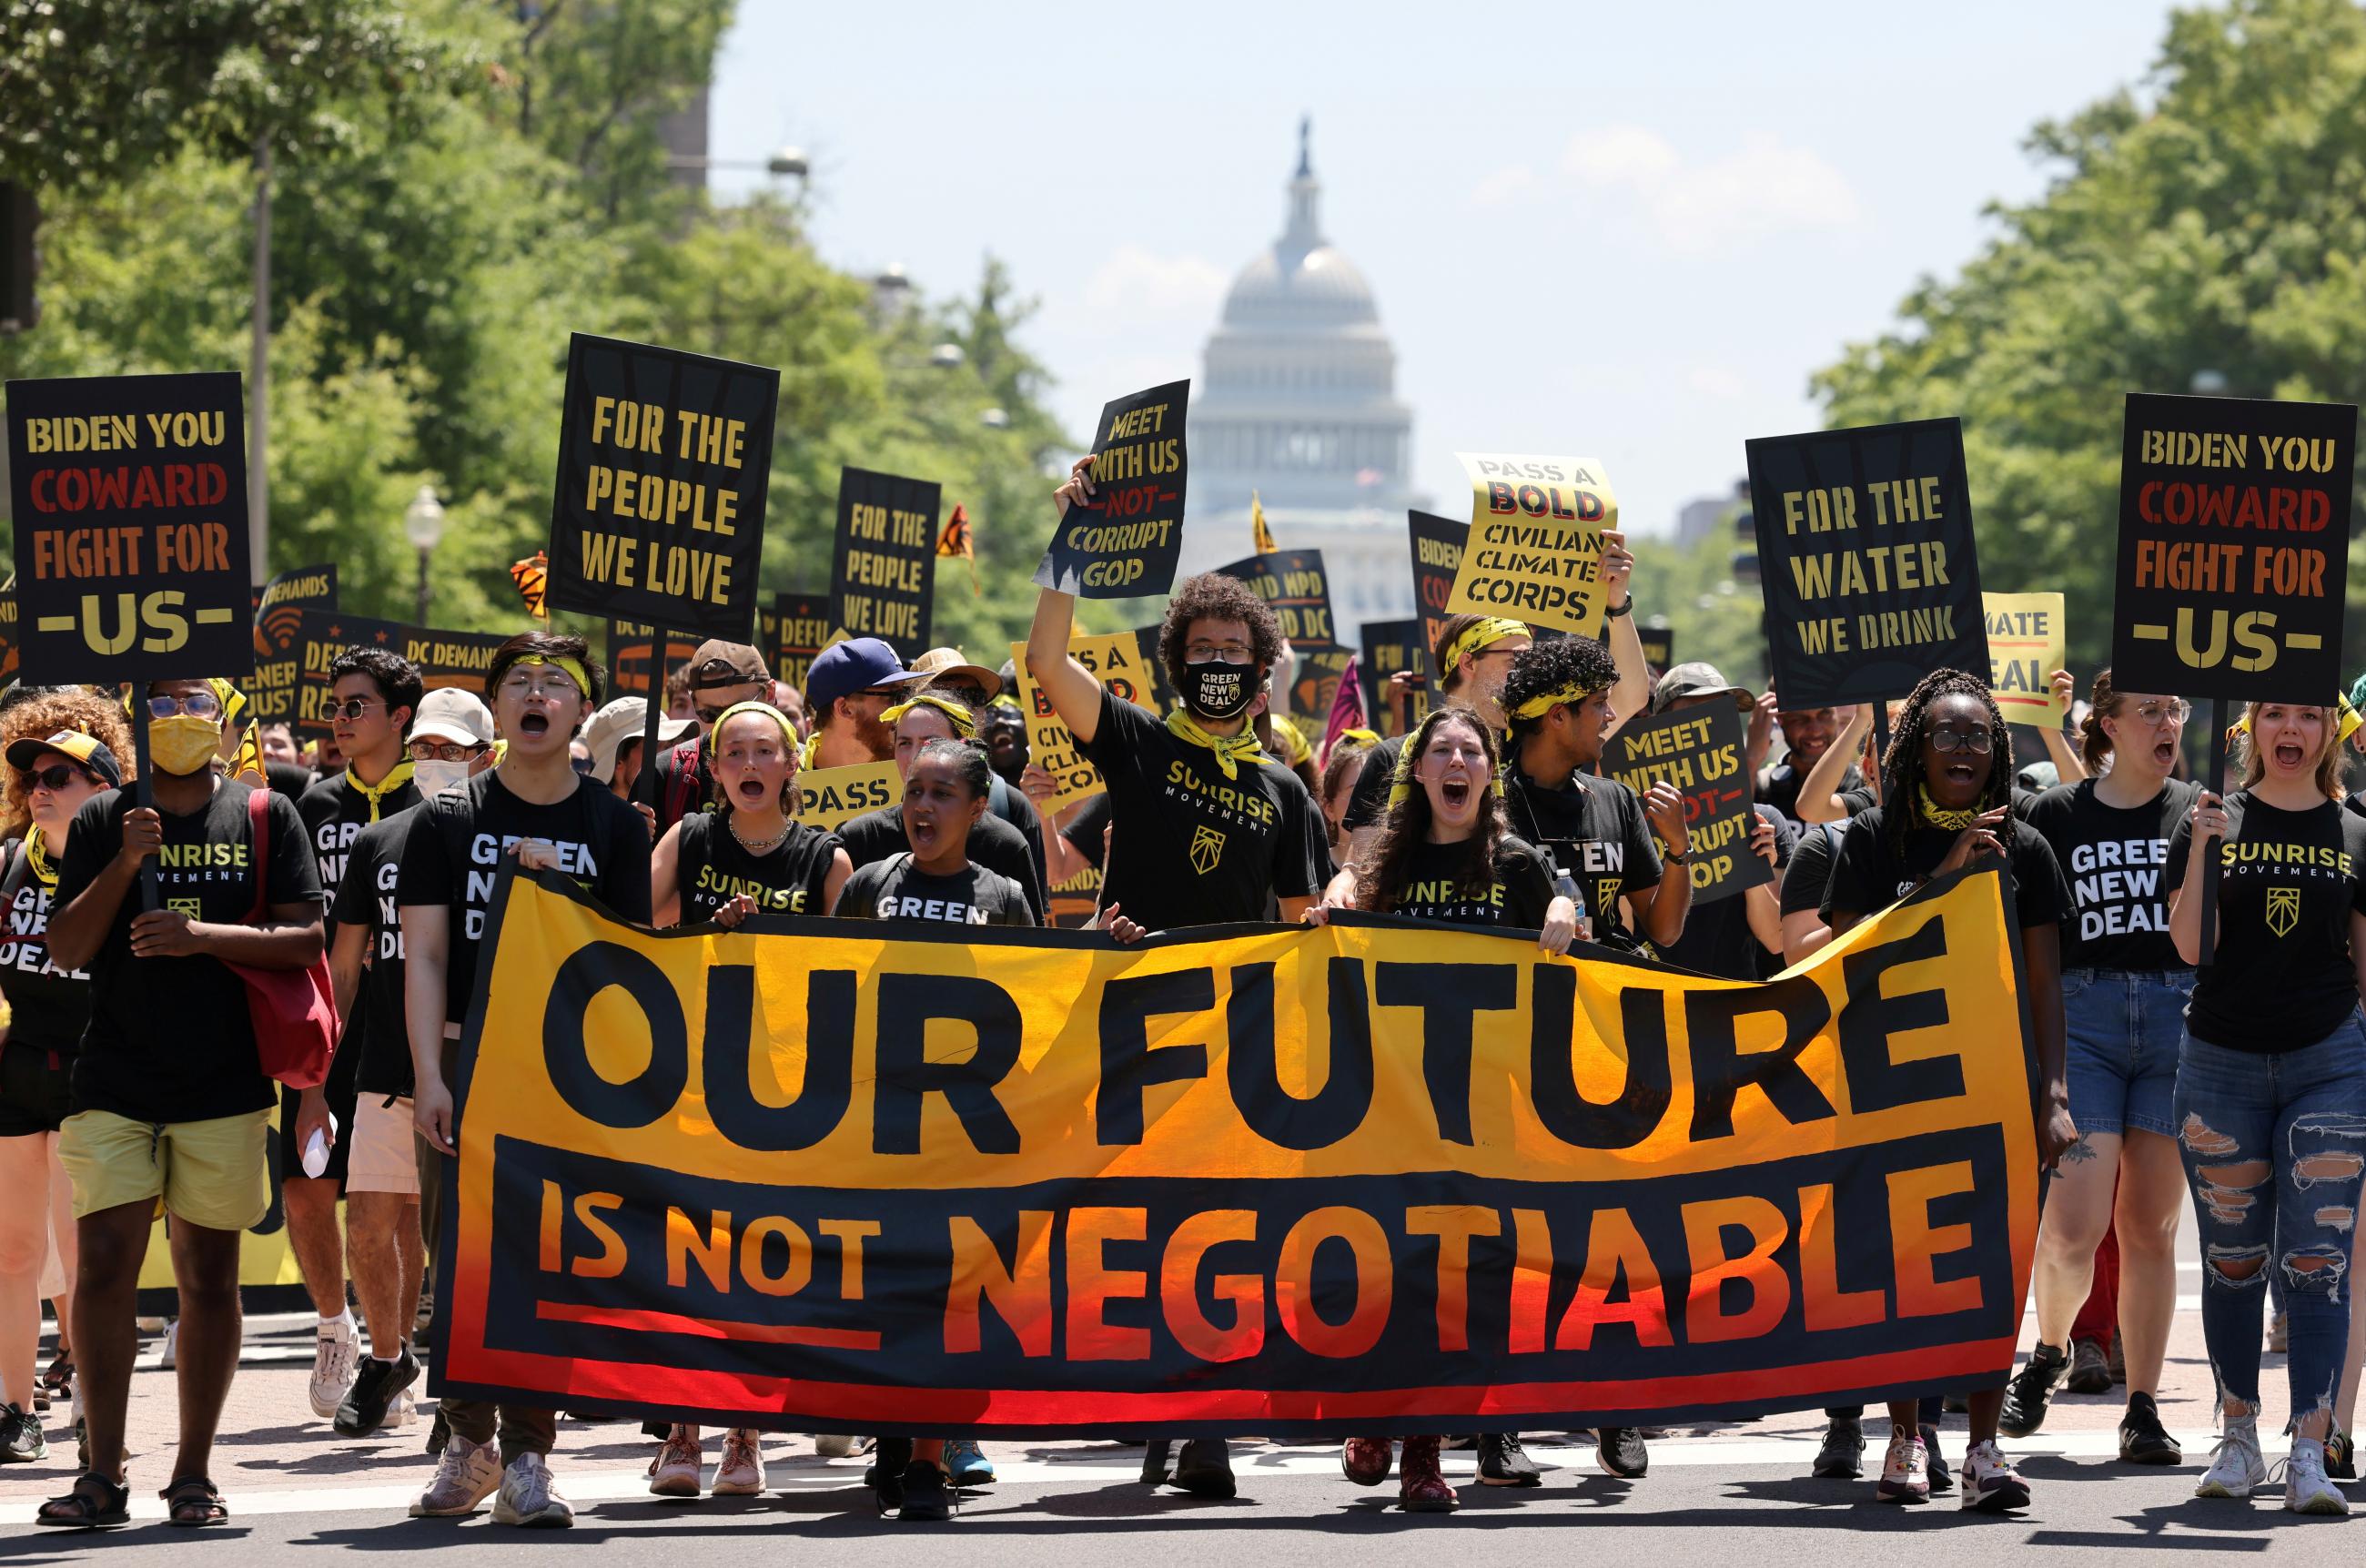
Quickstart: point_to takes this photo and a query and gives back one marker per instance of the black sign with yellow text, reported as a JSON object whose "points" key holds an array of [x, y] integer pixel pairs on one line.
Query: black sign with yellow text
{"points": [[1390, 647], [882, 571], [279, 606], [1126, 542], [1698, 750], [802, 624], [323, 635]]}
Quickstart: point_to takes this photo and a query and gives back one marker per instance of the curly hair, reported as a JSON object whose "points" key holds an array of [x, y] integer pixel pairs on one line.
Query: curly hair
{"points": [[397, 679], [1901, 765], [1405, 828], [44, 712], [1212, 596], [1561, 663]]}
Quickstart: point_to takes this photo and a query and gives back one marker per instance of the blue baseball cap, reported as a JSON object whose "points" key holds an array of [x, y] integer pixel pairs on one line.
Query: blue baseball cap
{"points": [[855, 665]]}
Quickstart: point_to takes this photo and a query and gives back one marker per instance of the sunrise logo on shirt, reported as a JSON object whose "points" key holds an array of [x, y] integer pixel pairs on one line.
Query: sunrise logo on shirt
{"points": [[2283, 909], [1207, 848]]}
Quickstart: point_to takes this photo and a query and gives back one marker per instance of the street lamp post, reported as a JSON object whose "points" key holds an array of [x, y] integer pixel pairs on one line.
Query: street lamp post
{"points": [[423, 521]]}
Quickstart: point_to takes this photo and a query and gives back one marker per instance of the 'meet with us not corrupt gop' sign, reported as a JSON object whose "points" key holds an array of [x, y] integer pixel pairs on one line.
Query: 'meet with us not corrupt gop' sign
{"points": [[130, 518]]}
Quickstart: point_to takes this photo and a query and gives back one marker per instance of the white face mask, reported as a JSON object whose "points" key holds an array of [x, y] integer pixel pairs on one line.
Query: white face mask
{"points": [[435, 775]]}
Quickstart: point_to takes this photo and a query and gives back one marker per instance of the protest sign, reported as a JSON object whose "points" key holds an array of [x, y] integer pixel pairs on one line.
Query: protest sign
{"points": [[1658, 640], [831, 797], [1534, 552], [885, 564], [279, 605], [628, 660], [1865, 538], [1698, 750], [2026, 645], [1630, 1195], [8, 630], [665, 459], [1294, 584], [1125, 542], [1076, 901], [2234, 549], [802, 628], [1119, 663], [455, 659], [1161, 688], [1390, 647], [129, 497], [320, 636], [1437, 558]]}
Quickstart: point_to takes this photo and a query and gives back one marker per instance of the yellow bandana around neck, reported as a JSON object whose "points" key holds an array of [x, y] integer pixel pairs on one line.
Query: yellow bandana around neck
{"points": [[965, 722], [1486, 634], [37, 858], [1230, 749], [396, 777], [1937, 815], [1544, 703]]}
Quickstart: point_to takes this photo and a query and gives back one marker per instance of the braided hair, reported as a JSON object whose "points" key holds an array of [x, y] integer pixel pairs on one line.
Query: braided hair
{"points": [[1901, 765]]}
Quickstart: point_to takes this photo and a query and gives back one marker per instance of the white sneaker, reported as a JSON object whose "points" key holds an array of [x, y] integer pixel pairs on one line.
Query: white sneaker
{"points": [[336, 1356], [2306, 1490], [1989, 1483], [464, 1477], [741, 1472], [675, 1472], [399, 1414], [2235, 1466], [169, 1357], [530, 1499], [1904, 1469], [833, 1445]]}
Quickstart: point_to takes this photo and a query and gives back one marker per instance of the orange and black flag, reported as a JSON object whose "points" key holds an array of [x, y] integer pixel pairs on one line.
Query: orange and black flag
{"points": [[532, 577], [958, 540], [1264, 544]]}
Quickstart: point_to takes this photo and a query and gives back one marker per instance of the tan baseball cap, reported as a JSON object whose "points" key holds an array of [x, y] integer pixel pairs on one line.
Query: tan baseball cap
{"points": [[952, 664], [452, 715], [627, 718]]}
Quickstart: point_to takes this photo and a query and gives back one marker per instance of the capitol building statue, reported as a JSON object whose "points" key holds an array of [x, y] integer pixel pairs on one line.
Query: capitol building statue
{"points": [[1298, 403]]}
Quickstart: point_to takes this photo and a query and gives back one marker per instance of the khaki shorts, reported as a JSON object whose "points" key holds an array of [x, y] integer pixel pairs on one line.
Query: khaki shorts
{"points": [[208, 1173], [380, 1157]]}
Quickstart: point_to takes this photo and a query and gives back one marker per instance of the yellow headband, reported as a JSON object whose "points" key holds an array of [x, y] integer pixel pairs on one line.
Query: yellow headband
{"points": [[2346, 721], [1360, 737], [1294, 741], [1401, 782], [1485, 634], [1544, 703], [965, 722], [574, 667], [714, 731]]}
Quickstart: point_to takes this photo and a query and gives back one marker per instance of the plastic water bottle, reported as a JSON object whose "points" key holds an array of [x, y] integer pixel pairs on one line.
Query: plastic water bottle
{"points": [[316, 1148]]}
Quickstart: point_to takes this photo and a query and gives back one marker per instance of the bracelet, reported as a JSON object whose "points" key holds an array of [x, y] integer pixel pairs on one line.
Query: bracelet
{"points": [[1626, 609], [1672, 858]]}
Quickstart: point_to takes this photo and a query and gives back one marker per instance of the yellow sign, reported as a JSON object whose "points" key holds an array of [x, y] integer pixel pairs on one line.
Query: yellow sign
{"points": [[1535, 549], [1119, 663], [830, 797], [2026, 645]]}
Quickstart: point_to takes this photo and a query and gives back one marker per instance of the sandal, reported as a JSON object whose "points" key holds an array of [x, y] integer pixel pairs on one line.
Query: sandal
{"points": [[96, 1502], [192, 1501]]}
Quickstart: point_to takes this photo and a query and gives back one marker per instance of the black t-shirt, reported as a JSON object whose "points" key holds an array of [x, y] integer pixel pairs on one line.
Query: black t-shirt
{"points": [[993, 843], [897, 889], [290, 779], [1778, 786], [1810, 871], [712, 868], [1011, 805], [1369, 801], [335, 813], [1520, 887], [51, 1005], [169, 1039], [1192, 847], [1089, 829], [454, 855], [2287, 883], [2356, 804], [1869, 875], [1594, 829], [2115, 859], [1717, 938], [366, 898]]}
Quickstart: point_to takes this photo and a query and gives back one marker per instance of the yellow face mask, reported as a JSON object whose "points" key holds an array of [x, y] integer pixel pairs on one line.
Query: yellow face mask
{"points": [[183, 744]]}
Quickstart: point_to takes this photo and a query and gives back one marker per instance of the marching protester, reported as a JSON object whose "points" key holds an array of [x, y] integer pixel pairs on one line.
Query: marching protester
{"points": [[1809, 734], [614, 736], [373, 695], [1444, 854], [848, 686], [2125, 991], [980, 687], [1946, 793], [1343, 771], [1204, 826], [1472, 656], [940, 713], [1737, 938], [2271, 1099], [535, 807], [169, 1098], [720, 675]]}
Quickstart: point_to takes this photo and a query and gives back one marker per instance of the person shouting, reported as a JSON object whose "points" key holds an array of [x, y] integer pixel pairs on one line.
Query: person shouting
{"points": [[940, 713]]}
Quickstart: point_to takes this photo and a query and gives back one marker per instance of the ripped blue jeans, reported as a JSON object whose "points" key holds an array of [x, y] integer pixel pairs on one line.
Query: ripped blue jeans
{"points": [[2274, 1148]]}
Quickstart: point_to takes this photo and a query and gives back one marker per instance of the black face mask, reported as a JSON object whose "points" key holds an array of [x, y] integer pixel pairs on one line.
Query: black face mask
{"points": [[1213, 689]]}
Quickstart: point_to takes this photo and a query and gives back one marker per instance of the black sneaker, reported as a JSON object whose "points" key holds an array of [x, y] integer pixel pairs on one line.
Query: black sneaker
{"points": [[889, 1461], [1843, 1456], [363, 1410], [2025, 1396], [1204, 1468], [1935, 1463], [20, 1436], [2341, 1457], [2090, 1370], [1622, 1451], [925, 1498], [2143, 1440], [1502, 1462]]}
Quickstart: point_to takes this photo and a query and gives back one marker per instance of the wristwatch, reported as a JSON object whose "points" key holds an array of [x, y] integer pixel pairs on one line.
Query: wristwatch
{"points": [[1626, 609]]}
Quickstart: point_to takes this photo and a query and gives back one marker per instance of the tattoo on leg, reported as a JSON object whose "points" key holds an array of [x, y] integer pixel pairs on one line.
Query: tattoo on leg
{"points": [[2080, 1152]]}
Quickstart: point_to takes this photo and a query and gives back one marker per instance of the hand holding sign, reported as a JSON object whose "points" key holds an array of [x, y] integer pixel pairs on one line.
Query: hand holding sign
{"points": [[1120, 529], [1535, 552]]}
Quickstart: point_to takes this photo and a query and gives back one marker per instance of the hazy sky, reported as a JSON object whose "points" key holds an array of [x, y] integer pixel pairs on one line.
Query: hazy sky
{"points": [[1623, 231]]}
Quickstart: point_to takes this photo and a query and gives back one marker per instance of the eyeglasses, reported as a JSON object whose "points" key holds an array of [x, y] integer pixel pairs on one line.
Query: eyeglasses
{"points": [[553, 683], [444, 751], [1975, 739], [1201, 652], [353, 707], [56, 776], [197, 704], [2177, 709]]}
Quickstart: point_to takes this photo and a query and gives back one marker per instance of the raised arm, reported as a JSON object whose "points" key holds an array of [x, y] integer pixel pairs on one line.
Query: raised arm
{"points": [[1819, 792], [1630, 694]]}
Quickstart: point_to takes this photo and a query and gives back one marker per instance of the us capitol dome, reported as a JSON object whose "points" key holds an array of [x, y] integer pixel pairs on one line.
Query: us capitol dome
{"points": [[1297, 401]]}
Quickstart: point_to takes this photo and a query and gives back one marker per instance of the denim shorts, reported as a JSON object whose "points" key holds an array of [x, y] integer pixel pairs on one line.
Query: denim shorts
{"points": [[2124, 1028]]}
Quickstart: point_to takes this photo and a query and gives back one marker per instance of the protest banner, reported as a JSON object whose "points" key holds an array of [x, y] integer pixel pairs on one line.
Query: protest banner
{"points": [[2234, 549], [802, 628], [883, 568], [320, 636], [1119, 663], [1864, 540], [1658, 640], [1369, 1178], [278, 618], [1698, 750], [1437, 558], [2027, 643], [665, 460], [453, 659], [1390, 647], [831, 797], [629, 663], [1124, 543], [1534, 552], [130, 501]]}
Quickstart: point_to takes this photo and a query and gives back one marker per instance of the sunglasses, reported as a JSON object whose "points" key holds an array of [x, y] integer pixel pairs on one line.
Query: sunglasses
{"points": [[583, 764], [197, 704], [58, 775], [354, 707]]}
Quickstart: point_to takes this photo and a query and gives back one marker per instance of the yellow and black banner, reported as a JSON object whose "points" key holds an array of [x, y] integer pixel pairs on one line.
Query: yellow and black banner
{"points": [[1365, 1177]]}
